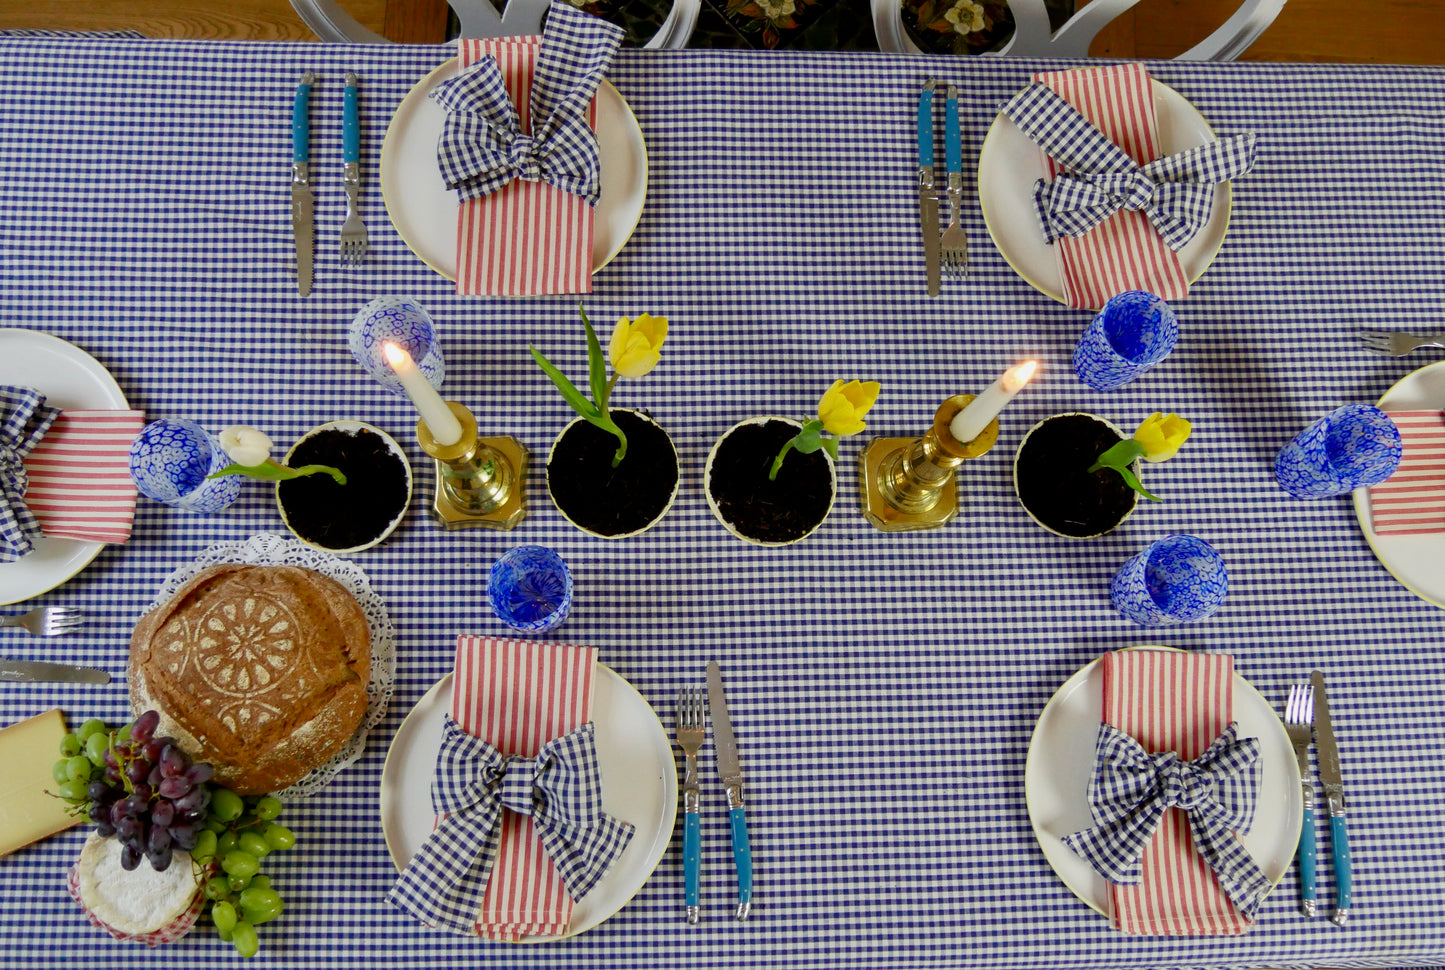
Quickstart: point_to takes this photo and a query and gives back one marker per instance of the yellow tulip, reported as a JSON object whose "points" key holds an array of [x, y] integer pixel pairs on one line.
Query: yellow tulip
{"points": [[1161, 436], [843, 405], [636, 345]]}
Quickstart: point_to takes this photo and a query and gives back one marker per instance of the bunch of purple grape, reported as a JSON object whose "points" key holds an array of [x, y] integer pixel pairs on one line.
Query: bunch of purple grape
{"points": [[147, 792]]}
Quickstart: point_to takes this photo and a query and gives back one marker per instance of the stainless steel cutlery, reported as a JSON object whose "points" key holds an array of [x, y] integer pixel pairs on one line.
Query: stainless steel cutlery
{"points": [[34, 672], [353, 230], [691, 729], [1397, 343], [950, 248], [928, 190], [48, 621], [1307, 718], [302, 199], [954, 242], [731, 771], [1299, 717]]}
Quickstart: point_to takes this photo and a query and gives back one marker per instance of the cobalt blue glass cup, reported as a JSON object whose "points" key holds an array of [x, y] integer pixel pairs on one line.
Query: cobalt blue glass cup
{"points": [[169, 462], [530, 589], [1350, 447], [393, 319], [1178, 579], [1134, 331]]}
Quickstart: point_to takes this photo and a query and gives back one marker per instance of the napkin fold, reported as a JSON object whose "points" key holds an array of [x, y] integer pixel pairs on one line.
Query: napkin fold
{"points": [[1412, 500], [520, 737], [24, 420], [1172, 701], [80, 484], [519, 148]]}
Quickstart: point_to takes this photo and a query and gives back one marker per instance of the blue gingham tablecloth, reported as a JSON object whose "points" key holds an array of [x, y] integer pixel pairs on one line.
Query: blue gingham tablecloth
{"points": [[884, 687]]}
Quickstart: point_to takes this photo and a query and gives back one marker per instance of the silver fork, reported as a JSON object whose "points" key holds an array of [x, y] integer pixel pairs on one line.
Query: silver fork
{"points": [[49, 621], [690, 732], [1299, 719], [954, 243], [353, 230], [1397, 343]]}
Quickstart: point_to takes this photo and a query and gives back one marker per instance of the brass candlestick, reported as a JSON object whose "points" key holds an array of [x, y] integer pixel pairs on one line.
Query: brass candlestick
{"points": [[910, 483], [481, 482]]}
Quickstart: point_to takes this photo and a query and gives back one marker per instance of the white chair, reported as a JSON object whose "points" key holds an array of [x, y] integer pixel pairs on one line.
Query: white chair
{"points": [[479, 18], [1034, 37]]}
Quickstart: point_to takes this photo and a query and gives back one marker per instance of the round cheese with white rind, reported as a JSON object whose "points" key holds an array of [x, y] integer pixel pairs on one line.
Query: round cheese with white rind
{"points": [[137, 902]]}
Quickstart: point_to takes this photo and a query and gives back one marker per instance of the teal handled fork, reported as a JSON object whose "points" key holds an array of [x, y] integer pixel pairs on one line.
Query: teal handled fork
{"points": [[353, 230], [1299, 717], [691, 729]]}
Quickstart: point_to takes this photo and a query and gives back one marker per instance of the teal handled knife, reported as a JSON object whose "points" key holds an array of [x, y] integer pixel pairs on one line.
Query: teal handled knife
{"points": [[1334, 786], [732, 776], [928, 190], [302, 201]]}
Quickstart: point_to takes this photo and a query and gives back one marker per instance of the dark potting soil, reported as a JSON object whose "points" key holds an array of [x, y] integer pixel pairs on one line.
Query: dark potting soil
{"points": [[344, 516], [777, 510], [606, 500], [1053, 483]]}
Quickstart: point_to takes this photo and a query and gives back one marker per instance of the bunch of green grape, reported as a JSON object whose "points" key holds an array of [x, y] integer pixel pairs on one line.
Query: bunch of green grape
{"points": [[238, 835]]}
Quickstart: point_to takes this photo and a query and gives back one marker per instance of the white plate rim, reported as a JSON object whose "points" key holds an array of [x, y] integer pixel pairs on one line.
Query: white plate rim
{"points": [[661, 835], [1388, 548], [417, 96], [1173, 110], [1063, 860], [32, 579]]}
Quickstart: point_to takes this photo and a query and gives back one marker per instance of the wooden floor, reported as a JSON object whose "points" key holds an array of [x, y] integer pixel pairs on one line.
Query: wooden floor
{"points": [[1378, 31]]}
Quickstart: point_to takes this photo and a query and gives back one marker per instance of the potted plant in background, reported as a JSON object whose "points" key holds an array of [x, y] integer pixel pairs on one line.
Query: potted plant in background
{"points": [[1078, 476], [772, 481], [613, 471]]}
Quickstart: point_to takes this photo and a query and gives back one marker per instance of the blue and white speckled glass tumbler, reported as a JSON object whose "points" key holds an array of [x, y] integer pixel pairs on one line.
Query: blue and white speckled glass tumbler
{"points": [[402, 322], [169, 462], [1348, 448], [1134, 331], [530, 589], [1178, 579]]}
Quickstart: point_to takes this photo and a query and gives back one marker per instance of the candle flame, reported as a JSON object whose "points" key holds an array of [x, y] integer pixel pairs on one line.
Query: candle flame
{"points": [[1014, 380], [394, 354]]}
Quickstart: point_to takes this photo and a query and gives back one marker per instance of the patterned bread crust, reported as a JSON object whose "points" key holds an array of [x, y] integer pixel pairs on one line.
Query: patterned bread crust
{"points": [[260, 670]]}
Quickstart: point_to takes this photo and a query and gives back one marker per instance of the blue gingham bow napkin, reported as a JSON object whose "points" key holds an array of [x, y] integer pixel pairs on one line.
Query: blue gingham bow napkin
{"points": [[561, 789], [1131, 789], [483, 147], [24, 419], [1175, 192]]}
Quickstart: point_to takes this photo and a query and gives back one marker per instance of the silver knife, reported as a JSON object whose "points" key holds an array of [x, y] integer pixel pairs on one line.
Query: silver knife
{"points": [[732, 776], [302, 201], [34, 672], [928, 189], [1334, 785]]}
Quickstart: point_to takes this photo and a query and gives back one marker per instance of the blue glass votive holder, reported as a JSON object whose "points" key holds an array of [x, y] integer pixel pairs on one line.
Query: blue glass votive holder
{"points": [[1178, 579], [530, 589], [1350, 447], [393, 319], [1134, 331], [169, 462]]}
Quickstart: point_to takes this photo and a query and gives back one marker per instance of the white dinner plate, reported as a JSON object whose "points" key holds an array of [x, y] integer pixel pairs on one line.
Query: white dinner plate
{"points": [[70, 379], [1413, 560], [1061, 760], [424, 211], [639, 785], [1009, 164]]}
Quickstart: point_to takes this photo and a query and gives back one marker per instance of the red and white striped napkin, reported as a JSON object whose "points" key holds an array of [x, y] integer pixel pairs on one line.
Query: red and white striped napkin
{"points": [[1170, 700], [1412, 501], [1124, 252], [79, 474], [517, 695], [527, 238]]}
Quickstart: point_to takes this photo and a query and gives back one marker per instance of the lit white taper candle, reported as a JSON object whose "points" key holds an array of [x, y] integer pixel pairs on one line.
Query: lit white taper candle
{"points": [[435, 414], [970, 422]]}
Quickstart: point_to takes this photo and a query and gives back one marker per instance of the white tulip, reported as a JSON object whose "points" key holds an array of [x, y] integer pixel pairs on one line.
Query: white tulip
{"points": [[245, 445]]}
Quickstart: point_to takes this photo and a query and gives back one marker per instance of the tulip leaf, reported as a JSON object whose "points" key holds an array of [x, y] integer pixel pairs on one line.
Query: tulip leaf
{"points": [[272, 472], [596, 365], [570, 393]]}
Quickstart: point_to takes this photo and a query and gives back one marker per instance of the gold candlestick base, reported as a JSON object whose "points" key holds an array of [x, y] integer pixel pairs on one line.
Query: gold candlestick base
{"points": [[908, 484], [480, 482]]}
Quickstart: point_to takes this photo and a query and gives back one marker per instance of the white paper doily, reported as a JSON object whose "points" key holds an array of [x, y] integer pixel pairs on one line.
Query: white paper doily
{"points": [[274, 550]]}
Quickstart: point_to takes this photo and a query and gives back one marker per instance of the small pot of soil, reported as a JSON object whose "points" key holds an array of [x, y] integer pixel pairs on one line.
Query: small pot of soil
{"points": [[1054, 486], [768, 512], [351, 517], [613, 503]]}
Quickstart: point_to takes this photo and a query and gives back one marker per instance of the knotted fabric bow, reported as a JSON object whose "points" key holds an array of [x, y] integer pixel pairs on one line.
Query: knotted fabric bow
{"points": [[1131, 789], [482, 146], [561, 789], [24, 419], [1176, 192]]}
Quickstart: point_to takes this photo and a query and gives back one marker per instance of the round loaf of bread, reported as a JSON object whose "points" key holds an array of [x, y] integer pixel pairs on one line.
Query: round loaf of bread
{"points": [[260, 670]]}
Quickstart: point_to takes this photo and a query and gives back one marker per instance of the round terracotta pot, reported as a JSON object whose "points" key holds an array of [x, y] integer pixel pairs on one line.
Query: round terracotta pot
{"points": [[1051, 482], [763, 511], [331, 517], [607, 502]]}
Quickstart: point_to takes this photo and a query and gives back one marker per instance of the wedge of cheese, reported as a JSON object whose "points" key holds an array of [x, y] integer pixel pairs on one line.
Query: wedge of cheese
{"points": [[29, 750]]}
